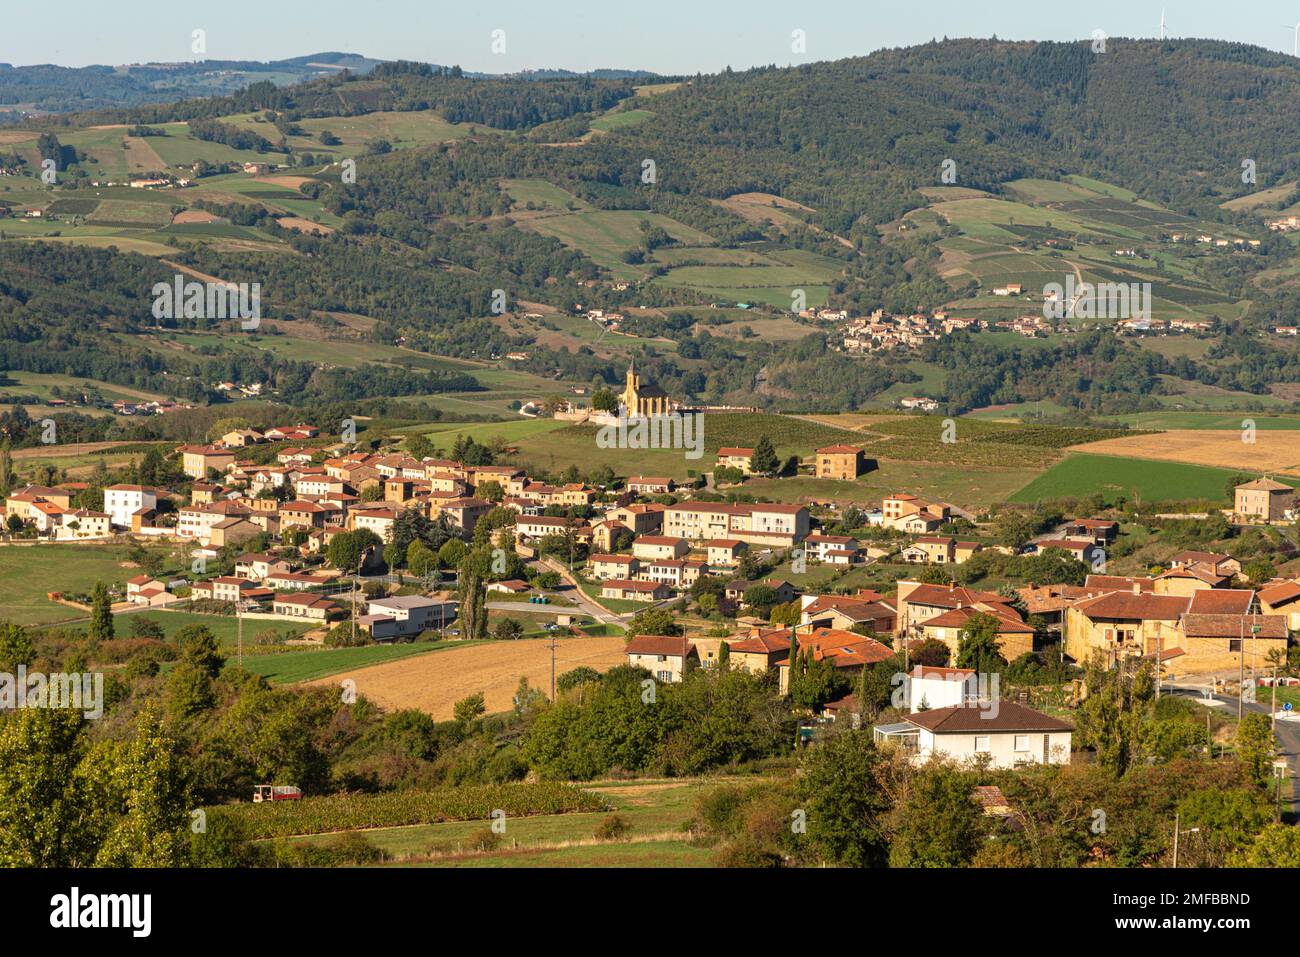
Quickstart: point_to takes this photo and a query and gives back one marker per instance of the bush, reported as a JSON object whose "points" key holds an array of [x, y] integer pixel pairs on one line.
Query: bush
{"points": [[615, 827], [484, 840]]}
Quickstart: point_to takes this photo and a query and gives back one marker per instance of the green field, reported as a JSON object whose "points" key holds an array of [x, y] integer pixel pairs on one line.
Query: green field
{"points": [[1082, 474], [27, 573], [604, 235], [291, 666], [620, 119], [656, 810], [224, 627]]}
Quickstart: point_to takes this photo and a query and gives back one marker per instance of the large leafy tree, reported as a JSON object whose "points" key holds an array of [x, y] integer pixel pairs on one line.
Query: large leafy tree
{"points": [[842, 794], [978, 647]]}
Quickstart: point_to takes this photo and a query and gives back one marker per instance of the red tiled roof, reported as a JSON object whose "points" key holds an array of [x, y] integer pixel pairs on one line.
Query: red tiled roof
{"points": [[660, 645]]}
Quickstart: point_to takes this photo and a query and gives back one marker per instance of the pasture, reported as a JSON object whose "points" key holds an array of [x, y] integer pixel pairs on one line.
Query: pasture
{"points": [[1111, 476]]}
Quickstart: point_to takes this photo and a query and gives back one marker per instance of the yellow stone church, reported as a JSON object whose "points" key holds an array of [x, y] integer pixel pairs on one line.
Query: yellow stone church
{"points": [[643, 399]]}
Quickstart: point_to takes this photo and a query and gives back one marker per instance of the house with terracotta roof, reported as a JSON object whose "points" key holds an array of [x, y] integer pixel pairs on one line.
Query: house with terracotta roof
{"points": [[628, 590], [676, 573], [918, 602], [845, 611], [725, 552], [1220, 564], [731, 457], [1211, 630], [1006, 736], [847, 651], [1282, 597], [604, 567], [939, 550], [760, 649], [831, 549], [1102, 531], [664, 656], [761, 523], [309, 607], [650, 485], [1014, 636], [652, 547]]}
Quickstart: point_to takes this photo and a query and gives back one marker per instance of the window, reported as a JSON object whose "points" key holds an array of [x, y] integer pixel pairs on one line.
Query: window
{"points": [[1021, 742], [1234, 644], [981, 743], [666, 677]]}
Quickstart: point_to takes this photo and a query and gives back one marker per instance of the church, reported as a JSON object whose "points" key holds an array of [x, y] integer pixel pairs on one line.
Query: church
{"points": [[643, 398]]}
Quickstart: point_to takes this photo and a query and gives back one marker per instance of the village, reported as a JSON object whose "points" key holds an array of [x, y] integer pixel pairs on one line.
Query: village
{"points": [[603, 553]]}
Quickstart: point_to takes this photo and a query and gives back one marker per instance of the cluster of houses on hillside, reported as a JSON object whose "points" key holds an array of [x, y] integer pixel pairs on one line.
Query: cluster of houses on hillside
{"points": [[884, 333]]}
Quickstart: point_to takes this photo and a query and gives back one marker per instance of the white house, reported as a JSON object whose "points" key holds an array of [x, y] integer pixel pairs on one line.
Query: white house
{"points": [[405, 616], [1001, 732], [122, 501]]}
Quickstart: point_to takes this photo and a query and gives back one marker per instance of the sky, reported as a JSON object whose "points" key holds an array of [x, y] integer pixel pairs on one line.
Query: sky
{"points": [[664, 36]]}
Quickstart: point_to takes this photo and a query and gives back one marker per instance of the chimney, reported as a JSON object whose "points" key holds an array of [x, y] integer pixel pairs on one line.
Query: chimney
{"points": [[1137, 587]]}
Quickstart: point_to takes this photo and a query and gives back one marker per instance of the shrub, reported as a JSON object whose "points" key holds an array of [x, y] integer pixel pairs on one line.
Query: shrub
{"points": [[615, 827]]}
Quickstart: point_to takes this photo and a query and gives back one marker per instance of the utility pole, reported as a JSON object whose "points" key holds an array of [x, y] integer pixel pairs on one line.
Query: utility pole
{"points": [[554, 644], [1241, 669], [239, 632], [1160, 653], [1175, 839]]}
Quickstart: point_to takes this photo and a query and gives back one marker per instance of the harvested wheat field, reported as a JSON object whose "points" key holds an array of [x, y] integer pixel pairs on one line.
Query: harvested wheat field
{"points": [[1271, 450], [304, 225], [194, 216], [435, 682]]}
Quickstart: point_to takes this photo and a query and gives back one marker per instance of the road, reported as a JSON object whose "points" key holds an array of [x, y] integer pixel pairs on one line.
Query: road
{"points": [[579, 598], [1288, 735]]}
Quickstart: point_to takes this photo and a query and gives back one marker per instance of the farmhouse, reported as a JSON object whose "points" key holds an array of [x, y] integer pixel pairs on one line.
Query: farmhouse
{"points": [[197, 459], [847, 652], [664, 656], [1263, 499], [1014, 636], [842, 462]]}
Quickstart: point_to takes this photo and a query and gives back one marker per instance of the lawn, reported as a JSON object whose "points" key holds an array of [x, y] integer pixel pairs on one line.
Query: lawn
{"points": [[1083, 474], [224, 627]]}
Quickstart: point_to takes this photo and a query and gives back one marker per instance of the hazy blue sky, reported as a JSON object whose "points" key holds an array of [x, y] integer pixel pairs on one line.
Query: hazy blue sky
{"points": [[667, 36]]}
